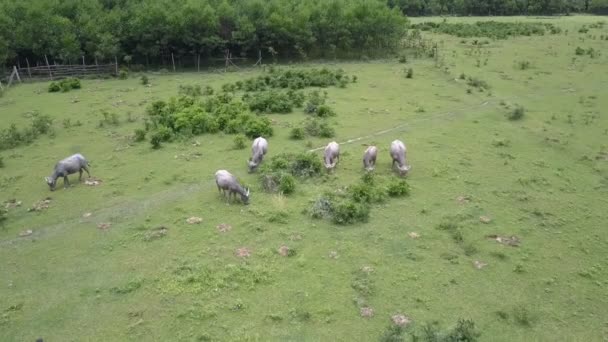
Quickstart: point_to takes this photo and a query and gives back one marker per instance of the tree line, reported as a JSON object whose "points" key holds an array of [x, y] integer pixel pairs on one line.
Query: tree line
{"points": [[143, 31], [498, 7]]}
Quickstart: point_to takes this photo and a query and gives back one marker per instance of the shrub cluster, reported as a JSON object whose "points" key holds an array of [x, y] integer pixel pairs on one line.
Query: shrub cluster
{"points": [[354, 205], [64, 85], [490, 29], [190, 90], [591, 52], [186, 116], [278, 175], [12, 137], [274, 101], [477, 83], [295, 79]]}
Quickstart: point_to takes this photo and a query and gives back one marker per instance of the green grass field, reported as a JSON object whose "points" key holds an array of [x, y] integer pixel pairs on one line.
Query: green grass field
{"points": [[543, 179]]}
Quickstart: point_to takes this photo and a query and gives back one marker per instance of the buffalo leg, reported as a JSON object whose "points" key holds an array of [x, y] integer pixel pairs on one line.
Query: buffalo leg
{"points": [[66, 182]]}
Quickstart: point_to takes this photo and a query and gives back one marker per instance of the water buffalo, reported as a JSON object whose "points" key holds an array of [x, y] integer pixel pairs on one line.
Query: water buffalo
{"points": [[258, 150], [332, 155], [227, 182], [398, 153], [369, 158], [68, 166]]}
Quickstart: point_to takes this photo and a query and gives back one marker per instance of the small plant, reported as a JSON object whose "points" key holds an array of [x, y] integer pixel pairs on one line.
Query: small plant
{"points": [[54, 87], [349, 212], [579, 51], [355, 77], [1, 162], [156, 142], [297, 133], [140, 135], [287, 184], [3, 215], [190, 90], [402, 59], [409, 73], [239, 142], [208, 91], [523, 65], [123, 74], [522, 316], [517, 113], [64, 85], [144, 80], [477, 83], [462, 76], [398, 188], [324, 111]]}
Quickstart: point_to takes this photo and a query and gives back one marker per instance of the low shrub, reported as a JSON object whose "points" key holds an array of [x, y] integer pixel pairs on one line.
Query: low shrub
{"points": [[402, 59], [517, 113], [108, 119], [477, 83], [3, 215], [274, 101], [366, 193], [190, 90], [144, 80], [409, 73], [523, 65], [239, 142], [140, 135], [579, 51], [398, 188], [324, 111], [123, 74], [1, 162], [297, 133], [208, 91], [348, 212], [64, 85], [318, 128], [287, 184]]}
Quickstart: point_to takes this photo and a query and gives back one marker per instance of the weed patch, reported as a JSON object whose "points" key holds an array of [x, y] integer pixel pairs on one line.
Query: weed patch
{"points": [[64, 85]]}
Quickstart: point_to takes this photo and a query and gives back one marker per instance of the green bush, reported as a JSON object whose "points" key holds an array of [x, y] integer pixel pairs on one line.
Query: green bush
{"points": [[208, 91], [409, 73], [579, 51], [324, 111], [402, 59], [300, 165], [366, 193], [1, 162], [297, 133], [398, 188], [321, 208], [239, 142], [144, 80], [490, 29], [190, 90], [477, 83], [64, 85], [349, 212], [287, 184], [3, 215], [123, 74], [523, 65], [140, 135], [517, 113], [318, 128]]}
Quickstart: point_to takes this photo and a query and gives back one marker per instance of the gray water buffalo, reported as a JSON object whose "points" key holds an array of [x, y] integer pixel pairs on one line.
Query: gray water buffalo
{"points": [[68, 166], [226, 182], [369, 158], [258, 150], [332, 155], [398, 153]]}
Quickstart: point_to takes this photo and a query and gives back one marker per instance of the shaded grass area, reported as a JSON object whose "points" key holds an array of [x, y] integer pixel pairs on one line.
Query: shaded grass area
{"points": [[541, 178]]}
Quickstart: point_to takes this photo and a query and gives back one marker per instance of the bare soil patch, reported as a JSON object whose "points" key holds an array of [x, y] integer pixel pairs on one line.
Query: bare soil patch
{"points": [[283, 251], [93, 182], [25, 233], [104, 226], [479, 264], [485, 219], [366, 312], [41, 205], [401, 320], [224, 227], [194, 220], [243, 252], [512, 240]]}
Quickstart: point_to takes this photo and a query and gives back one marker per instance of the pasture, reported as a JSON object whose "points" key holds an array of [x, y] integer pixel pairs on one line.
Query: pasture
{"points": [[119, 261]]}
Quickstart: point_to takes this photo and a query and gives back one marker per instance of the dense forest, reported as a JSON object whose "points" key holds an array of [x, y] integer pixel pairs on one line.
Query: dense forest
{"points": [[498, 7], [148, 31]]}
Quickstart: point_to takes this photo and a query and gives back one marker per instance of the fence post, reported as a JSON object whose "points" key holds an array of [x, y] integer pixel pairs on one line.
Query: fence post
{"points": [[173, 61], [16, 72], [29, 73], [116, 65], [198, 63], [83, 63], [48, 67]]}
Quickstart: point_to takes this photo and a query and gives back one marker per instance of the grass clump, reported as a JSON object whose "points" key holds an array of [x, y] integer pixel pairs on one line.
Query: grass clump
{"points": [[278, 175], [489, 29], [1, 162], [64, 85], [277, 78], [144, 80], [517, 113], [239, 141], [477, 83], [409, 73], [297, 133], [398, 188], [274, 101], [190, 90], [523, 65], [319, 128], [12, 136], [185, 116], [464, 331], [140, 135]]}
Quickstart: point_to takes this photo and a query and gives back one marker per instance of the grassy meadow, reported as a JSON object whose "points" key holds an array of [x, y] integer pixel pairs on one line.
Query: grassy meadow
{"points": [[152, 276]]}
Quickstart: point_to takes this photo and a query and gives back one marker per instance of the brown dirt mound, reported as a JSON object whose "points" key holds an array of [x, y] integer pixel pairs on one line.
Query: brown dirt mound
{"points": [[283, 251], [366, 312], [333, 255], [462, 199], [243, 252], [223, 227], [41, 205], [93, 182], [485, 219], [156, 233], [12, 203], [413, 235], [479, 264], [104, 226], [367, 269], [194, 220], [512, 240], [401, 320], [27, 232]]}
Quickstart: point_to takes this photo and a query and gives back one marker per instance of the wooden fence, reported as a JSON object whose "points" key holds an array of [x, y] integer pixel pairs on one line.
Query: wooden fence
{"points": [[53, 72]]}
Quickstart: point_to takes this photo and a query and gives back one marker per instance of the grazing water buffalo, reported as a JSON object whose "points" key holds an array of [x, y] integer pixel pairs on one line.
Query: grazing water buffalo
{"points": [[227, 182], [68, 166], [369, 158], [332, 155], [258, 150], [398, 153]]}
